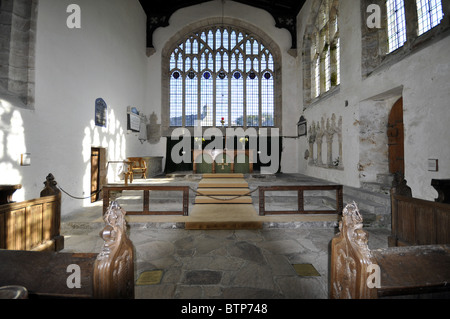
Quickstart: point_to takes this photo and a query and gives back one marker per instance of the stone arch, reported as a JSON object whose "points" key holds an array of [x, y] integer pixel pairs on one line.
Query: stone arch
{"points": [[373, 131], [325, 143], [244, 26]]}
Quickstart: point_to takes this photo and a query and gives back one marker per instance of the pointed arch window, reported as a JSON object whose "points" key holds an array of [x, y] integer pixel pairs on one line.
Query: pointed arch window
{"points": [[221, 74], [322, 46]]}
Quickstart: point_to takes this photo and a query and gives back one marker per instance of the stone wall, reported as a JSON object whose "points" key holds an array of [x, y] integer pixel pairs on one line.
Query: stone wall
{"points": [[17, 41], [371, 82]]}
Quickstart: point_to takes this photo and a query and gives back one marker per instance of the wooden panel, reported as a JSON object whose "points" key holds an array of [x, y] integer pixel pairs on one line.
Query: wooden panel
{"points": [[2, 231], [442, 226], [45, 274], [16, 230], [406, 222], [34, 226], [419, 222], [425, 226], [47, 222]]}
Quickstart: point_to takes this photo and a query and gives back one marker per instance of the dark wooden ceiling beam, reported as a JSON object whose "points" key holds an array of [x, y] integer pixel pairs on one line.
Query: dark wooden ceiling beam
{"points": [[284, 12]]}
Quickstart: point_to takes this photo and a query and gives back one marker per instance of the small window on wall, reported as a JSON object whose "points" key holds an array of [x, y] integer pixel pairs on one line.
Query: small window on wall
{"points": [[396, 24], [429, 13]]}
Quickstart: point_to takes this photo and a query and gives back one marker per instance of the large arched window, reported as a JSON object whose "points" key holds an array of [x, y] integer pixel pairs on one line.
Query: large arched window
{"points": [[322, 50], [221, 76]]}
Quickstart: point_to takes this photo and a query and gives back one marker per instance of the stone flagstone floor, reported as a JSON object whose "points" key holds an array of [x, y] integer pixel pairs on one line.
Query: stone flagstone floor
{"points": [[221, 264], [243, 264]]}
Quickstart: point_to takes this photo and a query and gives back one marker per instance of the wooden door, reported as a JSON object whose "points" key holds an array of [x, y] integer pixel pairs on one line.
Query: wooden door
{"points": [[95, 174], [396, 137]]}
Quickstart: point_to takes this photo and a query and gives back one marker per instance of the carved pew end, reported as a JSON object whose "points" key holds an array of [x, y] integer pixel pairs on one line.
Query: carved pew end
{"points": [[114, 268]]}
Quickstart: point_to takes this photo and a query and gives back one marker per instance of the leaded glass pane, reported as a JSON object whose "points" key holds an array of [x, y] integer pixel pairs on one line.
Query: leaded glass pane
{"points": [[396, 24], [215, 76], [429, 14]]}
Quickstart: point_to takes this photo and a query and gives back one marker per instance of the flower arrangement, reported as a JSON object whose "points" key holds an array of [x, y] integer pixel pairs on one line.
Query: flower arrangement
{"points": [[199, 140], [243, 140], [222, 121]]}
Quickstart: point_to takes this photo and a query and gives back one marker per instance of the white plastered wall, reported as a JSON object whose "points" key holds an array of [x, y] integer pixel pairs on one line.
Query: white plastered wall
{"points": [[422, 79], [104, 59]]}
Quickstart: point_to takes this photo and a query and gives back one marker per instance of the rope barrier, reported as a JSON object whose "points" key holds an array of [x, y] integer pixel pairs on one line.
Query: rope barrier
{"points": [[74, 197], [197, 193]]}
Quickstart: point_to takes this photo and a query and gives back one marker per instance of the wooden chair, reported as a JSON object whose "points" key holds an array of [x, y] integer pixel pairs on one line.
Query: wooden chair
{"points": [[137, 166]]}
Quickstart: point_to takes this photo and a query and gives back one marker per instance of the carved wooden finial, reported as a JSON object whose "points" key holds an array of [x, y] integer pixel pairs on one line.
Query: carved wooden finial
{"points": [[399, 185], [114, 267], [350, 249], [50, 187]]}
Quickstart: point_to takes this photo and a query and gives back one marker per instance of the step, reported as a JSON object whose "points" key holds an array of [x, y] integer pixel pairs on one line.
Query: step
{"points": [[220, 175], [223, 200], [364, 194], [367, 205], [376, 187], [222, 183]]}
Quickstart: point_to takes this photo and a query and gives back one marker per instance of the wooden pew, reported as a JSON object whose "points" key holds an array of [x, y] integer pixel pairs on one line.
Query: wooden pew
{"points": [[33, 224], [107, 275], [417, 222], [408, 272]]}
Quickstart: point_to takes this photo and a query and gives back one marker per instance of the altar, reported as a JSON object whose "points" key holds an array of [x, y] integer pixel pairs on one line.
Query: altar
{"points": [[222, 161]]}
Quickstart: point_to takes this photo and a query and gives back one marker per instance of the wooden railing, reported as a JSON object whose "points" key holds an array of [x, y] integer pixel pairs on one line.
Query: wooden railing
{"points": [[300, 203], [33, 224], [146, 198]]}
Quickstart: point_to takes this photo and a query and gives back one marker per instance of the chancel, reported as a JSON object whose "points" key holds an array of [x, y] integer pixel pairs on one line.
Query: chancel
{"points": [[179, 121]]}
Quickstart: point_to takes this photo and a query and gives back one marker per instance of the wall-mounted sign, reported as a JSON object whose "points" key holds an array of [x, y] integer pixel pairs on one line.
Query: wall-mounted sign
{"points": [[301, 127], [101, 112], [433, 165], [134, 120]]}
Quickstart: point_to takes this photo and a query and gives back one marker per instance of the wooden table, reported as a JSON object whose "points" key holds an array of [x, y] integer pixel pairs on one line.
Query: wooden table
{"points": [[6, 193]]}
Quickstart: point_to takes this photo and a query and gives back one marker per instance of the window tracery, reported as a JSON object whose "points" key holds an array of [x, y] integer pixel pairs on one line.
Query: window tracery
{"points": [[221, 76]]}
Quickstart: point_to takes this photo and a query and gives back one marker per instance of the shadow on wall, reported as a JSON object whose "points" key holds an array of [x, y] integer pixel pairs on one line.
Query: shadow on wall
{"points": [[12, 146]]}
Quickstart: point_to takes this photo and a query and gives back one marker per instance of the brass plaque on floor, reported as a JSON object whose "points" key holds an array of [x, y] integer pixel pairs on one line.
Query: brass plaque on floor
{"points": [[306, 270], [148, 278]]}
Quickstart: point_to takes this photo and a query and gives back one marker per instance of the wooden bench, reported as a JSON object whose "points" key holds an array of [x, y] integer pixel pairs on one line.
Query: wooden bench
{"points": [[360, 273], [107, 275], [33, 224]]}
